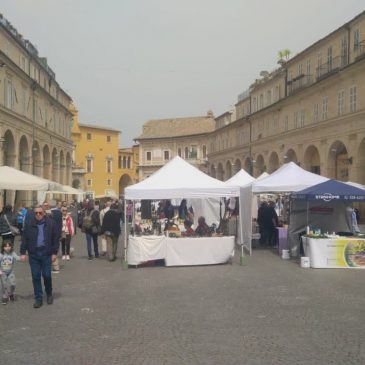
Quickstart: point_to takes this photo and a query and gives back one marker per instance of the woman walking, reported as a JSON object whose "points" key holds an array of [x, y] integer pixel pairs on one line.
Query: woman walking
{"points": [[68, 231]]}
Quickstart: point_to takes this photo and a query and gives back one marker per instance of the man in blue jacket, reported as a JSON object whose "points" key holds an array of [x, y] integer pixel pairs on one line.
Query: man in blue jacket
{"points": [[40, 240]]}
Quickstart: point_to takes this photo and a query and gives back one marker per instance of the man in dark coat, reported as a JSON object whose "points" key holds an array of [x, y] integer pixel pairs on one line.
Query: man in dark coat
{"points": [[41, 241], [111, 229]]}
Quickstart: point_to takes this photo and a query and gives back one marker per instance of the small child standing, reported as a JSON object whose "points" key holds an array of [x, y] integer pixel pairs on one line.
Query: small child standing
{"points": [[7, 277]]}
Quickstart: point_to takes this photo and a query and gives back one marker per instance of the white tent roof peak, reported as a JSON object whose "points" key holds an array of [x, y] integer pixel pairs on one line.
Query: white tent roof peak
{"points": [[178, 179], [241, 178], [289, 177]]}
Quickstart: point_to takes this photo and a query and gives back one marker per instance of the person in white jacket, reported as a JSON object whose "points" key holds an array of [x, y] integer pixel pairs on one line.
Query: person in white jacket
{"points": [[103, 238]]}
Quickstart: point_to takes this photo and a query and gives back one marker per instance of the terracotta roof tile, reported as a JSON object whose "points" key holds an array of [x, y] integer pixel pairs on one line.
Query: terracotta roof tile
{"points": [[177, 127]]}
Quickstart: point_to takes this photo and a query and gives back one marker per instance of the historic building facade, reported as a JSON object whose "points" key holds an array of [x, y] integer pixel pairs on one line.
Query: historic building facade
{"points": [[128, 165], [311, 110], [35, 121], [163, 139], [95, 167]]}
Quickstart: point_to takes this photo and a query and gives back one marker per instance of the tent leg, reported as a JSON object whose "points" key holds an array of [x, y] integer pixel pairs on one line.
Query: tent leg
{"points": [[242, 257], [125, 261]]}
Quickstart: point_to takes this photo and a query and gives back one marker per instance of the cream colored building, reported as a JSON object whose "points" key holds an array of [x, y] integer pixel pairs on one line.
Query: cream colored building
{"points": [[163, 139], [35, 121], [310, 110]]}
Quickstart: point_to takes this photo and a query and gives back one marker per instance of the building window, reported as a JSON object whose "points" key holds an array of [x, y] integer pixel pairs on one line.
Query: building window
{"points": [[194, 151], [302, 116], [344, 51], [300, 69], [254, 106], [268, 97], [315, 113], [295, 119], [329, 58], [324, 107], [129, 162], [89, 182], [186, 152], [179, 152], [204, 151], [88, 136], [166, 155], [109, 166], [353, 99], [109, 182], [261, 101], [108, 139], [308, 69], [119, 162], [124, 162], [356, 34], [9, 101], [341, 102], [148, 156], [89, 165]]}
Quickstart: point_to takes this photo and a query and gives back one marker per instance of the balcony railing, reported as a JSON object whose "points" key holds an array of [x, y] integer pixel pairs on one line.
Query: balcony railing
{"points": [[360, 50], [330, 67], [298, 83]]}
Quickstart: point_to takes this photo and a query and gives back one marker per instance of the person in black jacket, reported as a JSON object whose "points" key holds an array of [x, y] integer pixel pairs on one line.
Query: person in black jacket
{"points": [[41, 241], [91, 226], [111, 229]]}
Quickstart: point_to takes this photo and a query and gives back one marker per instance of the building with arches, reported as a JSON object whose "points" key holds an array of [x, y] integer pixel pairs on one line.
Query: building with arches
{"points": [[128, 159], [35, 121], [311, 110]]}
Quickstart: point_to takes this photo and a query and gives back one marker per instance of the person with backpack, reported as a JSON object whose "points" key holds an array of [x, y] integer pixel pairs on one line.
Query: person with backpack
{"points": [[91, 228], [20, 216]]}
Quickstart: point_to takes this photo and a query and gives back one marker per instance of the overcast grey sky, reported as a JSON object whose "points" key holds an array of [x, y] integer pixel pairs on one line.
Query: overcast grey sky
{"points": [[127, 61]]}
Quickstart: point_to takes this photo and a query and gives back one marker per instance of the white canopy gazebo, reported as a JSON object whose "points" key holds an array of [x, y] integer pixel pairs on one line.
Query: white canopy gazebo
{"points": [[288, 178]]}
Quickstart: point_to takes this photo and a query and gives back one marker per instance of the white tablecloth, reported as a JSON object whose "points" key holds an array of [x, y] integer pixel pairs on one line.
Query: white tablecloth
{"points": [[341, 252], [145, 248], [198, 250], [180, 251]]}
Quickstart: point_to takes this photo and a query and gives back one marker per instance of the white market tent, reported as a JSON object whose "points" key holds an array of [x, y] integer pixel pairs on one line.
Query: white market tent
{"points": [[14, 179], [288, 178], [240, 179], [178, 179], [175, 180]]}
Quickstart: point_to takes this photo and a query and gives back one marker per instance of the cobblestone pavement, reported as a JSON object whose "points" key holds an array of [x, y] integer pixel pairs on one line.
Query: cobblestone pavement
{"points": [[269, 311]]}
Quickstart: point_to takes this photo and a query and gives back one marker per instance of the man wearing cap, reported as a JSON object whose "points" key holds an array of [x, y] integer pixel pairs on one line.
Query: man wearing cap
{"points": [[40, 240]]}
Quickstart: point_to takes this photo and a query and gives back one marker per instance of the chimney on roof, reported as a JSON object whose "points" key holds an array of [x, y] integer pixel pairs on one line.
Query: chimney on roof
{"points": [[210, 113]]}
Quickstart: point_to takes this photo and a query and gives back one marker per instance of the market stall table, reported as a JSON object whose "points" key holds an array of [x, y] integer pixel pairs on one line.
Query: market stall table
{"points": [[145, 248], [335, 252], [198, 250]]}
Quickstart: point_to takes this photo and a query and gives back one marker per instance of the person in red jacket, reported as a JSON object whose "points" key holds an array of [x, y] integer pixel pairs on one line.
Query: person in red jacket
{"points": [[67, 232]]}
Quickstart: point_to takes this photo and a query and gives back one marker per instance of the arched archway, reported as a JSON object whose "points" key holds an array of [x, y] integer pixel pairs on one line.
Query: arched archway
{"points": [[68, 168], [24, 155], [259, 166], [237, 166], [228, 172], [248, 165], [46, 162], [76, 184], [290, 156], [273, 162], [62, 168], [9, 149], [338, 162], [312, 161], [124, 181], [55, 165], [213, 172], [220, 172]]}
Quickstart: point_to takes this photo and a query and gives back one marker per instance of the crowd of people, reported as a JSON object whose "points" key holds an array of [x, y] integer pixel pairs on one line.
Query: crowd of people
{"points": [[45, 228]]}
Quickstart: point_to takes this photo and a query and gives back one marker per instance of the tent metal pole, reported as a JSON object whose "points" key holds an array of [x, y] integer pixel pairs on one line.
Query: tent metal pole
{"points": [[125, 261], [307, 212]]}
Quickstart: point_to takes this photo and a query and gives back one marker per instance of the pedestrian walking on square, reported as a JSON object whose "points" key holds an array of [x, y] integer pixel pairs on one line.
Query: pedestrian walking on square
{"points": [[67, 233], [111, 229], [91, 227], [41, 241], [103, 237], [7, 219], [56, 215], [7, 261]]}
